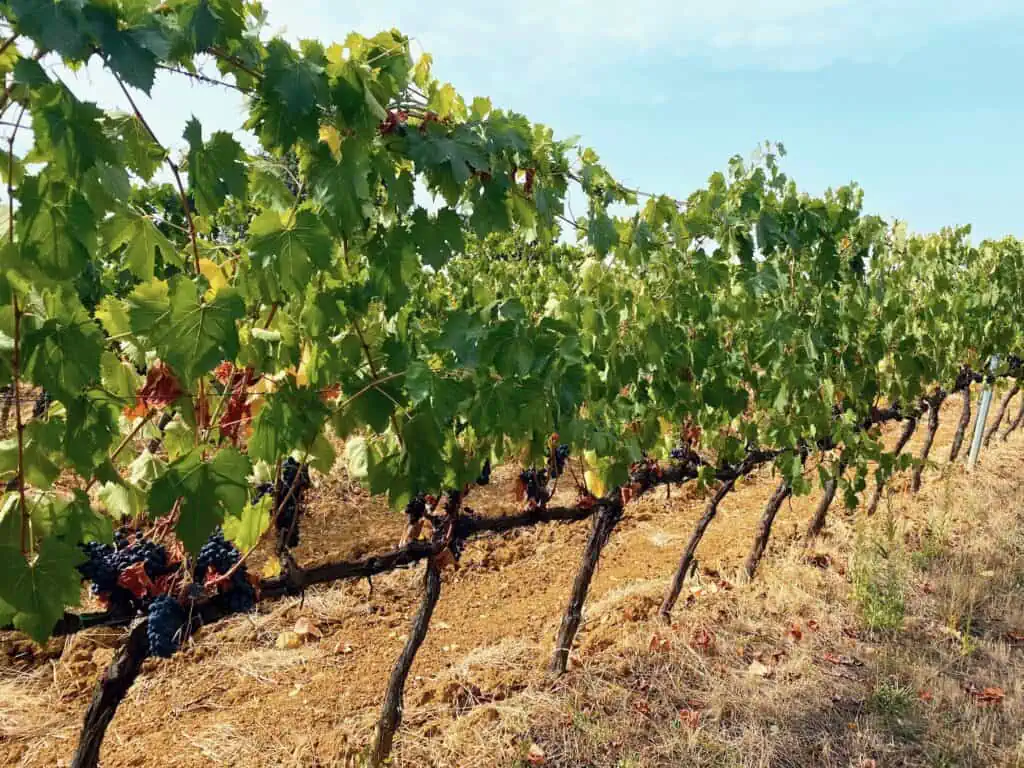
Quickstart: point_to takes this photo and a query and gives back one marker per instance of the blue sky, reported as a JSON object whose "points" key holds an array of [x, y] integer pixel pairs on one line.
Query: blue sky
{"points": [[918, 101]]}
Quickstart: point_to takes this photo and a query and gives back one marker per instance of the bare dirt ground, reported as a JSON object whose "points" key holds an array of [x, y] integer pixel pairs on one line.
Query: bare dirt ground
{"points": [[892, 641]]}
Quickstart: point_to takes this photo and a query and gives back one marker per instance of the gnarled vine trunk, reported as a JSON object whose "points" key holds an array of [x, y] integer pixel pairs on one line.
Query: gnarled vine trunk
{"points": [[764, 527], [828, 495], [110, 690], [961, 426], [934, 405], [908, 430], [604, 522], [1003, 405], [1016, 420], [691, 548], [391, 711]]}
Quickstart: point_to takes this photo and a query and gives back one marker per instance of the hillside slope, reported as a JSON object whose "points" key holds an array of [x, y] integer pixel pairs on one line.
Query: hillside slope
{"points": [[875, 644]]}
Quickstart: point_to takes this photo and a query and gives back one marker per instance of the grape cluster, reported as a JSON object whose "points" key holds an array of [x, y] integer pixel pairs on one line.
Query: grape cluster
{"points": [[217, 553], [485, 473], [105, 563], [535, 483], [166, 618], [561, 456], [42, 405], [291, 472], [219, 556]]}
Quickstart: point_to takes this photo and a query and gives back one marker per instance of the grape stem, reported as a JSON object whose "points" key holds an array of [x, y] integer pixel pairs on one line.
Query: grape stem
{"points": [[124, 442], [16, 361]]}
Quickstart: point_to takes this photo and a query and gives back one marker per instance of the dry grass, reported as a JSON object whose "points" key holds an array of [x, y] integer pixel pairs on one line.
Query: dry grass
{"points": [[883, 659], [875, 644]]}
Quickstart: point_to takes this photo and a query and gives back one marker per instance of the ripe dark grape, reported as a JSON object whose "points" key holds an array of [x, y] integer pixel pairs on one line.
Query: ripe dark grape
{"points": [[561, 456], [678, 453], [291, 473], [99, 568], [166, 618], [535, 482], [217, 553], [42, 404], [485, 473]]}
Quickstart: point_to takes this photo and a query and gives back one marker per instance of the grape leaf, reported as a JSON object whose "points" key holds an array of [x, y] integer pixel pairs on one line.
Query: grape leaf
{"points": [[38, 592], [209, 491], [246, 529], [141, 240], [289, 247], [216, 169]]}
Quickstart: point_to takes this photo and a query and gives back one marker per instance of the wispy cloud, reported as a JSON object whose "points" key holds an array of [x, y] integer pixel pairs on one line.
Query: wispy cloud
{"points": [[780, 34]]}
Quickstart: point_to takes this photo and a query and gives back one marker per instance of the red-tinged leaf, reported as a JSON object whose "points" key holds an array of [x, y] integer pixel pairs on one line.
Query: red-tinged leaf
{"points": [[236, 417], [1015, 637], [520, 490], [812, 625], [924, 695], [162, 584], [161, 387], [990, 696], [331, 392], [702, 640], [135, 579], [224, 371], [689, 718], [627, 494], [795, 633], [641, 706], [660, 644]]}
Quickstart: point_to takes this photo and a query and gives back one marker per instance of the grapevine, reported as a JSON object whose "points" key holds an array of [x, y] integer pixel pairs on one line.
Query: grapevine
{"points": [[194, 344]]}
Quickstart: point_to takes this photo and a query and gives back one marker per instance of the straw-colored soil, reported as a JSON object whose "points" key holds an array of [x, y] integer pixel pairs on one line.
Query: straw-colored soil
{"points": [[786, 671]]}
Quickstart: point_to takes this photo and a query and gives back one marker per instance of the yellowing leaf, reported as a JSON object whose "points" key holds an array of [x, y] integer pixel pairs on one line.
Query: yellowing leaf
{"points": [[214, 276], [288, 640], [271, 568], [594, 483], [330, 136]]}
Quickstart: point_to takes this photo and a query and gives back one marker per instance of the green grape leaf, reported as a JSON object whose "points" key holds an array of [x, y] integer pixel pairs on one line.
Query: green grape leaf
{"points": [[63, 354], [140, 152], [342, 187], [246, 529], [56, 228], [39, 591], [141, 240], [291, 420], [122, 501], [209, 492], [132, 53], [216, 169], [290, 247], [90, 432], [190, 335], [437, 237], [55, 26]]}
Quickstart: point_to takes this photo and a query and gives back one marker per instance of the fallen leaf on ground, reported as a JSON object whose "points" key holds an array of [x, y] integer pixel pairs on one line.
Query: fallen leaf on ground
{"points": [[925, 695], [306, 628], [689, 717], [535, 755], [990, 695], [759, 669], [287, 640], [795, 633]]}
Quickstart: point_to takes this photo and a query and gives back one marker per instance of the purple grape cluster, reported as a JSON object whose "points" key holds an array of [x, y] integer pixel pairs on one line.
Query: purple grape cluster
{"points": [[291, 473], [166, 618]]}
